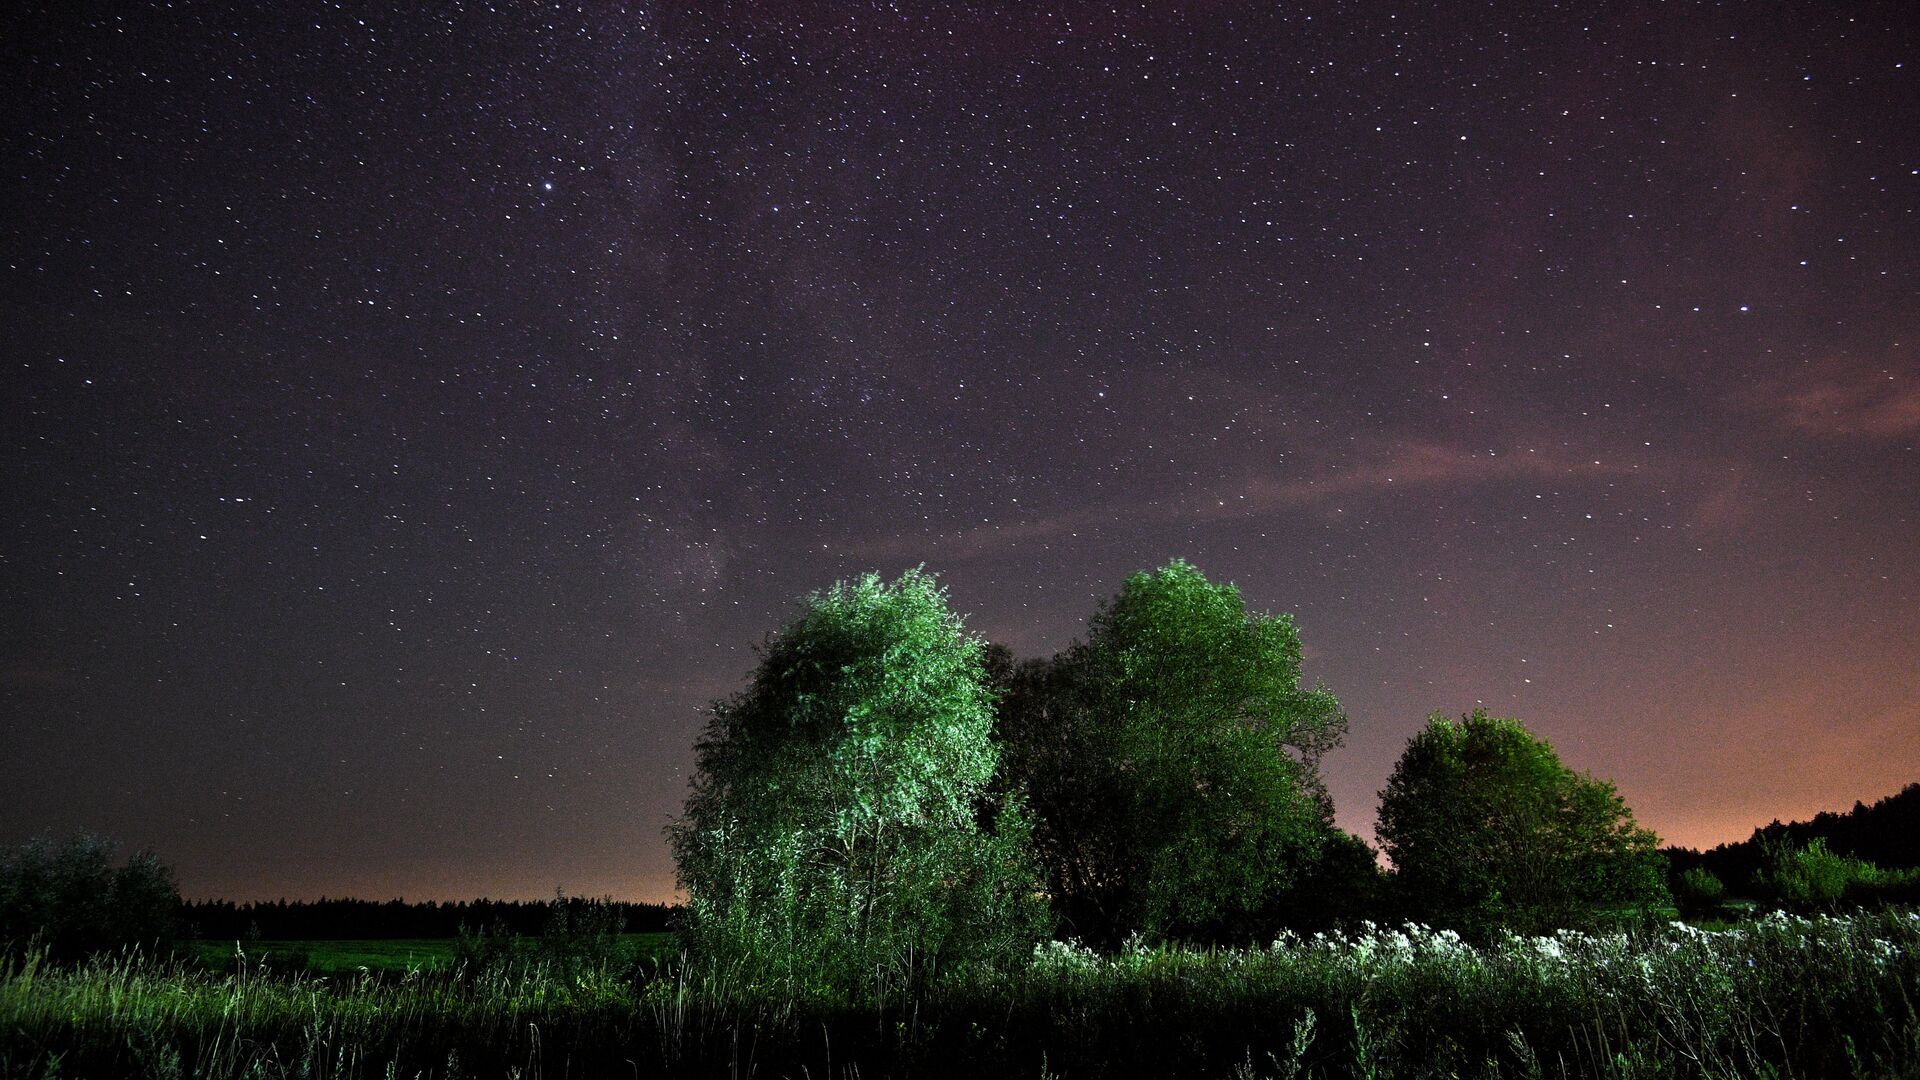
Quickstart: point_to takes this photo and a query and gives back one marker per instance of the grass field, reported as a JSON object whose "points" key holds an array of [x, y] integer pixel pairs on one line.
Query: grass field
{"points": [[326, 957], [1781, 996]]}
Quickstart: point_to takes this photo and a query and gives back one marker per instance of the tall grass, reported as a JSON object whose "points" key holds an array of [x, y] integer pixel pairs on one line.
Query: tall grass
{"points": [[1784, 996]]}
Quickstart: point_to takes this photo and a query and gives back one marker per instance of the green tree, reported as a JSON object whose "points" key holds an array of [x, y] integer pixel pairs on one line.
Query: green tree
{"points": [[1812, 877], [71, 899], [1342, 886], [1698, 892], [1486, 827], [1171, 761], [834, 832]]}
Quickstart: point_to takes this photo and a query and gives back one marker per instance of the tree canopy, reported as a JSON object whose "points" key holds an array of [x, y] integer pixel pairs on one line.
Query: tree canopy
{"points": [[1171, 760], [835, 829], [70, 898], [1486, 827]]}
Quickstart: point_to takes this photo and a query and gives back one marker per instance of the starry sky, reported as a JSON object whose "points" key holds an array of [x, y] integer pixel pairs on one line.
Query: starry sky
{"points": [[411, 421]]}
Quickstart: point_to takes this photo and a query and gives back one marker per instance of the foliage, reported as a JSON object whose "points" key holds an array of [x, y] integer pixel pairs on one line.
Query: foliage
{"points": [[73, 900], [1343, 886], [582, 939], [1171, 761], [1813, 878], [1809, 876], [1696, 891], [831, 838], [1885, 832], [582, 934], [1782, 996], [487, 948], [1486, 828]]}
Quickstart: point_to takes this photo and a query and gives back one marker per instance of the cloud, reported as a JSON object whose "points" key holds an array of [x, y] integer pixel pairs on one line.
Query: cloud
{"points": [[1850, 404], [1394, 467], [1406, 465]]}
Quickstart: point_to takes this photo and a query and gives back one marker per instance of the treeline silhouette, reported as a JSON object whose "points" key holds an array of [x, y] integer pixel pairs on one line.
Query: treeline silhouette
{"points": [[1886, 833], [347, 919]]}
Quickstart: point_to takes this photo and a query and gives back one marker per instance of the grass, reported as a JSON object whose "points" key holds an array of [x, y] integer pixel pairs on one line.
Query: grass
{"points": [[328, 957], [1776, 997]]}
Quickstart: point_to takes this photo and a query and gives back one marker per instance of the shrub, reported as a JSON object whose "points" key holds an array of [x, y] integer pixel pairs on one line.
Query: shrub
{"points": [[1342, 887], [1815, 878], [582, 935], [1698, 892], [486, 949]]}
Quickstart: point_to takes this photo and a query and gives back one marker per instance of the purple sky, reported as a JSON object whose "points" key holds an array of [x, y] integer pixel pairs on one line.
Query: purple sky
{"points": [[410, 422]]}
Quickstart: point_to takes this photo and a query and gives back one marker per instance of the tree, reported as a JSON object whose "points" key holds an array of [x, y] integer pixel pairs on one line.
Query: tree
{"points": [[1813, 877], [1697, 892], [1486, 827], [1885, 833], [1342, 886], [70, 899], [834, 828], [1171, 761]]}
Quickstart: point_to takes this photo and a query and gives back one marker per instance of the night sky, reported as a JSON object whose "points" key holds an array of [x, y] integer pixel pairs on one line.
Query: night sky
{"points": [[409, 423]]}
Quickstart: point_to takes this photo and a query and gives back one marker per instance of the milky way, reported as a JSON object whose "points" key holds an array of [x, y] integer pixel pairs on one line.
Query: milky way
{"points": [[411, 421]]}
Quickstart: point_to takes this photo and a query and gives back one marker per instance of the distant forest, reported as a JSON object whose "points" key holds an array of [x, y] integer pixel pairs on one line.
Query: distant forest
{"points": [[1887, 834], [329, 919]]}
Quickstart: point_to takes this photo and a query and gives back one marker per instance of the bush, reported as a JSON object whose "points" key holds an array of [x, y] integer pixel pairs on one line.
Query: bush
{"points": [[582, 935], [1815, 878], [581, 939], [1698, 892], [486, 949], [71, 898], [1341, 888], [1806, 877]]}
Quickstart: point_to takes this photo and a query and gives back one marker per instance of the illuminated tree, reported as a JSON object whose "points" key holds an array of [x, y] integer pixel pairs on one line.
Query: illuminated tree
{"points": [[1486, 827], [834, 831], [1171, 761]]}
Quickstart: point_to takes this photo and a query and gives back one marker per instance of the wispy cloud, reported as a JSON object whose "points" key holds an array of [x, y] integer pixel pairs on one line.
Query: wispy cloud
{"points": [[1407, 465], [1845, 403], [1397, 467]]}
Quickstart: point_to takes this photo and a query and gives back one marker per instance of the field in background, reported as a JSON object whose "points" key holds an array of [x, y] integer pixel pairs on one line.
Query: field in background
{"points": [[382, 955]]}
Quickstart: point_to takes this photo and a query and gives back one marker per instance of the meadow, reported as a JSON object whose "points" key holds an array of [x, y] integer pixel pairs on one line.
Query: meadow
{"points": [[1778, 996], [394, 955]]}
